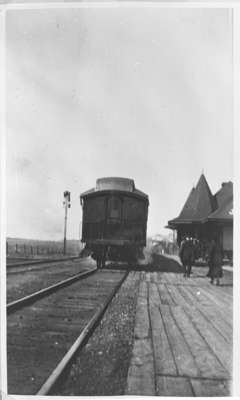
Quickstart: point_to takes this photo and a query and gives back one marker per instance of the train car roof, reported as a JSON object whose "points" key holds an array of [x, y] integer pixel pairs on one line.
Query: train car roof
{"points": [[115, 184]]}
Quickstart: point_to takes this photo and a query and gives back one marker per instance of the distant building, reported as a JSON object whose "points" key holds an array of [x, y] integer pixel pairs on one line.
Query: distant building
{"points": [[205, 215]]}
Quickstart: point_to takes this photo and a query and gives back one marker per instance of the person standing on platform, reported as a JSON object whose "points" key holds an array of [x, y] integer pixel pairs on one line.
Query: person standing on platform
{"points": [[187, 256], [215, 258]]}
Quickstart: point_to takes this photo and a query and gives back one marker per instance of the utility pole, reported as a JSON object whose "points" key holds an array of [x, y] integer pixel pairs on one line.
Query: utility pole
{"points": [[66, 205]]}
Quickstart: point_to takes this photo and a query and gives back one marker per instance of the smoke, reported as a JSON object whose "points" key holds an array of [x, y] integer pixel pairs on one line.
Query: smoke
{"points": [[147, 256]]}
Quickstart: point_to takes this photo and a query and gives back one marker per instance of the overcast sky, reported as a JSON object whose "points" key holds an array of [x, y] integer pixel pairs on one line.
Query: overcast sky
{"points": [[143, 93]]}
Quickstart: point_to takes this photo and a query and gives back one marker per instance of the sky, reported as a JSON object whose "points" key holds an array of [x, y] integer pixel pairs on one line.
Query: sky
{"points": [[144, 93]]}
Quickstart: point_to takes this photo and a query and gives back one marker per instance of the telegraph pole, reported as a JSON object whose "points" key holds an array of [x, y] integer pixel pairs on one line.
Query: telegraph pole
{"points": [[66, 205]]}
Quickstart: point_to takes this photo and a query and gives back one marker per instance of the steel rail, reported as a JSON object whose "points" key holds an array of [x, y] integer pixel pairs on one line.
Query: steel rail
{"points": [[79, 342], [37, 267], [31, 298]]}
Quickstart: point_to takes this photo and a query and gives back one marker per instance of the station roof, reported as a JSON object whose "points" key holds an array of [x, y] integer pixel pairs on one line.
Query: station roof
{"points": [[224, 212], [226, 192], [199, 204]]}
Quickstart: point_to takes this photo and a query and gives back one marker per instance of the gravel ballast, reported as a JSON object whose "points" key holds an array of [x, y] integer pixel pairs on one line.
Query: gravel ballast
{"points": [[24, 283], [101, 368]]}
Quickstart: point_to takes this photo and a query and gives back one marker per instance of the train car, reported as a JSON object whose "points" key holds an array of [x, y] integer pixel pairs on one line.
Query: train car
{"points": [[114, 222]]}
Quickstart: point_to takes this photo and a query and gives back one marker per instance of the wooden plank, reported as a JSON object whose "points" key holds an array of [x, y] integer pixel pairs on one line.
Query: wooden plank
{"points": [[217, 320], [225, 286], [169, 277], [219, 303], [186, 294], [224, 313], [143, 288], [164, 294], [197, 295], [164, 361], [142, 385], [154, 299], [184, 359], [155, 277], [220, 295], [142, 325], [216, 342], [147, 276], [174, 386], [200, 296], [176, 295], [140, 379], [222, 292], [142, 351], [206, 361], [209, 388], [211, 312], [221, 312]]}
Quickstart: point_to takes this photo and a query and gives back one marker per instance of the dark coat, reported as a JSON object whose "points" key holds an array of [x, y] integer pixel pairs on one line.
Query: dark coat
{"points": [[187, 252], [215, 258]]}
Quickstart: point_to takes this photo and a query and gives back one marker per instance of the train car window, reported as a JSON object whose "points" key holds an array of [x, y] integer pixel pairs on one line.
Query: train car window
{"points": [[114, 208]]}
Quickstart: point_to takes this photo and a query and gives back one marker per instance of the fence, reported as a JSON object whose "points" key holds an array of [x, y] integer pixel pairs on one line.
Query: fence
{"points": [[37, 251]]}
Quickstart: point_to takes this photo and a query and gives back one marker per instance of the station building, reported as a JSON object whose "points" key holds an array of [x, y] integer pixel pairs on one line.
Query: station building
{"points": [[205, 215]]}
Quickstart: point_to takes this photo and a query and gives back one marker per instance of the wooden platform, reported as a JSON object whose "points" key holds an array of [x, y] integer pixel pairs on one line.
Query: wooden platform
{"points": [[183, 336]]}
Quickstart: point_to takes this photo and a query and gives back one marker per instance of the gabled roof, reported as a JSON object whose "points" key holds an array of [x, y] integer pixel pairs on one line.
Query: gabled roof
{"points": [[226, 192], [199, 204], [224, 212]]}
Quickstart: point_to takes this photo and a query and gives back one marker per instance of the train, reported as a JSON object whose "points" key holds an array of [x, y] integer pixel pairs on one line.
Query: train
{"points": [[114, 220]]}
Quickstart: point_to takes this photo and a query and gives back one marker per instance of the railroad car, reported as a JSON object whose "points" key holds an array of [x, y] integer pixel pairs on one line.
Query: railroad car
{"points": [[114, 221]]}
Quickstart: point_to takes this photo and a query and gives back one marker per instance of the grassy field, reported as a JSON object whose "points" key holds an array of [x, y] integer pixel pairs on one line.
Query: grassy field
{"points": [[30, 248]]}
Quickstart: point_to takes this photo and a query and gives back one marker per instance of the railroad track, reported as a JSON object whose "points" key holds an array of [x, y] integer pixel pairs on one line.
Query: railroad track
{"points": [[31, 298], [16, 267], [45, 332], [40, 267], [23, 282]]}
